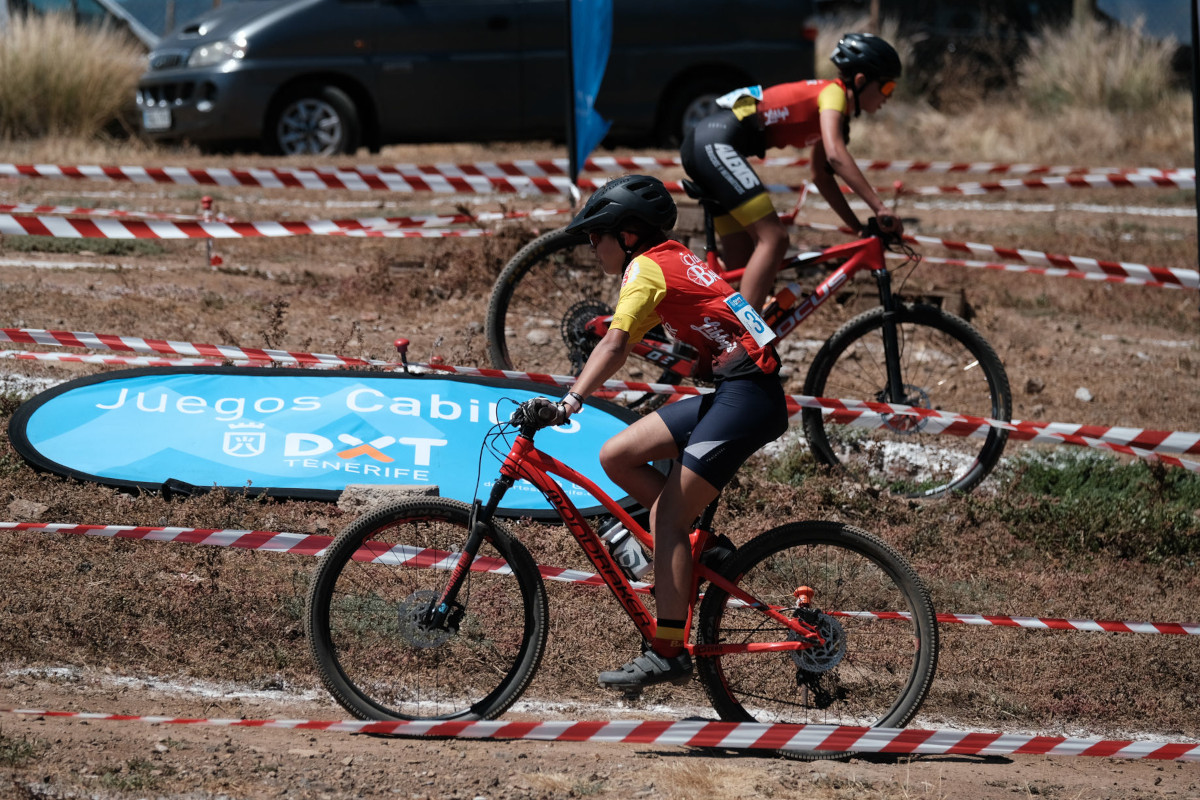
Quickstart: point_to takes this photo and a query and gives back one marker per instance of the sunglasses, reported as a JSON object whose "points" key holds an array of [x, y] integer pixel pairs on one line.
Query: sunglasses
{"points": [[886, 88], [594, 238]]}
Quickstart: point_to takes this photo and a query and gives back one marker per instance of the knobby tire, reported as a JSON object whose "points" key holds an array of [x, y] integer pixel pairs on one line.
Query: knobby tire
{"points": [[874, 671], [363, 617], [945, 365]]}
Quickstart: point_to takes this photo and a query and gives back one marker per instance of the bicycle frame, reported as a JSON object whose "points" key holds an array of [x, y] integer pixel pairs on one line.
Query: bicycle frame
{"points": [[524, 461]]}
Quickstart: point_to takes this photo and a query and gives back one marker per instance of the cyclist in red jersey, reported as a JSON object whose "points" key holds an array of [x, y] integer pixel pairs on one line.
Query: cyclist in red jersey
{"points": [[708, 436], [806, 113]]}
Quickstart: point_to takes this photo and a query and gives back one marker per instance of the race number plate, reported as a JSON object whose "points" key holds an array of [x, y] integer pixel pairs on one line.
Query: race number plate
{"points": [[751, 319]]}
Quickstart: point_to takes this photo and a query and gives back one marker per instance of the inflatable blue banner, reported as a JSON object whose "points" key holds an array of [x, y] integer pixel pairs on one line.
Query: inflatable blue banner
{"points": [[299, 434]]}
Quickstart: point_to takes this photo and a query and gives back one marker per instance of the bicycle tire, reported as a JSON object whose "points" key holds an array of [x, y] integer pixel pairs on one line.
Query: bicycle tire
{"points": [[540, 303], [371, 652], [939, 356], [875, 672]]}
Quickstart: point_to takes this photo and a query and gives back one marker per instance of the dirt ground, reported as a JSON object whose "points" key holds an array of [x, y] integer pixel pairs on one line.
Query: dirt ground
{"points": [[1135, 350]]}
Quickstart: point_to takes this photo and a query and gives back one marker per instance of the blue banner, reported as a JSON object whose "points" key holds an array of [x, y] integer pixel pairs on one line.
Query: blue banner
{"points": [[591, 39], [299, 433]]}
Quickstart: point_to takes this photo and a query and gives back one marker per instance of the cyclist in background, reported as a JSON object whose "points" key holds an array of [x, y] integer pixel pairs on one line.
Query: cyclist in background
{"points": [[707, 436], [812, 113]]}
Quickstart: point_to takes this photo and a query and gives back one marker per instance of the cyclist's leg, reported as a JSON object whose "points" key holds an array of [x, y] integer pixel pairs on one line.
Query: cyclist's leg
{"points": [[627, 457], [714, 156], [743, 415], [715, 433], [770, 245]]}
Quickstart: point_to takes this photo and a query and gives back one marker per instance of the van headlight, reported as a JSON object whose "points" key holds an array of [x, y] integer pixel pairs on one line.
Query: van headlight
{"points": [[207, 55]]}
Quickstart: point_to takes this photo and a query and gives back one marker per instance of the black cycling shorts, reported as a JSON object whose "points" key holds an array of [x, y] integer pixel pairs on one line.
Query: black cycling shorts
{"points": [[713, 154], [717, 432]]}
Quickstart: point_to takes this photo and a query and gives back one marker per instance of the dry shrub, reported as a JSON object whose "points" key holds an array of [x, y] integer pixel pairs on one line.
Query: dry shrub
{"points": [[1014, 132], [1086, 64], [62, 79]]}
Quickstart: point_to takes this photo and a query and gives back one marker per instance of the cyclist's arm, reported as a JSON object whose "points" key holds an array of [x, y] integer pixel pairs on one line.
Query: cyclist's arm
{"points": [[835, 153], [608, 357]]}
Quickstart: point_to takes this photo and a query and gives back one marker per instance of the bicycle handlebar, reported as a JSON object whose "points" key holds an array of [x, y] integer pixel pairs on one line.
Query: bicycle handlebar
{"points": [[872, 229], [531, 416]]}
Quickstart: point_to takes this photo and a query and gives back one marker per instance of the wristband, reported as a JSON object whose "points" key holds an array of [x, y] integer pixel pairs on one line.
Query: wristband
{"points": [[574, 399]]}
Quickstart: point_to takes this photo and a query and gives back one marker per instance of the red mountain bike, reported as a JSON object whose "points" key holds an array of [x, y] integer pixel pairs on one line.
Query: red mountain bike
{"points": [[552, 304], [431, 609]]}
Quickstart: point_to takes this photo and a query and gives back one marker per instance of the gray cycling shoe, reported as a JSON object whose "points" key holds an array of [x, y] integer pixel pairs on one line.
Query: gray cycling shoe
{"points": [[649, 669]]}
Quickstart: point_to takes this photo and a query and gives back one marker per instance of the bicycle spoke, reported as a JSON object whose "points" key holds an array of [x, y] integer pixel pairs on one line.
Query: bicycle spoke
{"points": [[944, 365], [870, 671], [369, 624]]}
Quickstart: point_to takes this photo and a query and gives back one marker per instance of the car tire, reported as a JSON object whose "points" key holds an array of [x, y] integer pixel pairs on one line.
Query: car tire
{"points": [[313, 120], [691, 102]]}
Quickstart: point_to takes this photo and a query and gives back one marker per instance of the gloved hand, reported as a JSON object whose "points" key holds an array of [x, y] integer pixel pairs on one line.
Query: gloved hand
{"points": [[549, 412]]}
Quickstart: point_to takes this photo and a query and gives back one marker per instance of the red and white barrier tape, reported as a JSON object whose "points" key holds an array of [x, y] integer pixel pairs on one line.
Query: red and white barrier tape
{"points": [[128, 361], [1150, 445], [531, 168], [416, 221], [299, 544], [314, 545], [697, 733], [1170, 180], [100, 341], [1146, 444], [28, 208], [497, 178], [1141, 273], [1050, 272], [64, 228]]}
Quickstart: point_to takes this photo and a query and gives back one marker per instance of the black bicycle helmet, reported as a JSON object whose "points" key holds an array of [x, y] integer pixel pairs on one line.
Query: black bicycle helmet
{"points": [[868, 54], [628, 197]]}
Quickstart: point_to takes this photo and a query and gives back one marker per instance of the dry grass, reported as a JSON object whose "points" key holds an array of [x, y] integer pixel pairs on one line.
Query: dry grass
{"points": [[63, 80], [1086, 65]]}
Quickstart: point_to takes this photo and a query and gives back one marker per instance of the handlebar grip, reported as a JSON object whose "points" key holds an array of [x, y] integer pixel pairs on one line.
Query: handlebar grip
{"points": [[546, 414], [872, 228]]}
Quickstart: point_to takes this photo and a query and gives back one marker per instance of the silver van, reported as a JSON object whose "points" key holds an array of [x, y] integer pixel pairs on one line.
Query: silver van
{"points": [[329, 76]]}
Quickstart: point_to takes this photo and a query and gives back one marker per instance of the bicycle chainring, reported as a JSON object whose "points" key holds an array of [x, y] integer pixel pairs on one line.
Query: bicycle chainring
{"points": [[412, 615], [579, 341], [914, 396]]}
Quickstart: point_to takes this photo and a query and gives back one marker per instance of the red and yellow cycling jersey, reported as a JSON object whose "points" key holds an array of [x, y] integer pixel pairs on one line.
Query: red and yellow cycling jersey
{"points": [[669, 285], [790, 113]]}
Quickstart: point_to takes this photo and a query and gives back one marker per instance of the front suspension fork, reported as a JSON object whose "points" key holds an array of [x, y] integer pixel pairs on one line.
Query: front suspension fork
{"points": [[891, 338], [480, 523]]}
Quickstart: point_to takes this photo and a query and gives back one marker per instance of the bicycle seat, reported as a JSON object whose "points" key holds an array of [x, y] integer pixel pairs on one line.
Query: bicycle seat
{"points": [[696, 192]]}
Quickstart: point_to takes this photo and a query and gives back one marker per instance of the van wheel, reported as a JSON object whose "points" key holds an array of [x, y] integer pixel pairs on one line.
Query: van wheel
{"points": [[313, 120]]}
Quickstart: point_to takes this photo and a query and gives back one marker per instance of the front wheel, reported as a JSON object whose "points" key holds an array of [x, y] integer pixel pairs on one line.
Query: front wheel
{"points": [[945, 365], [313, 120], [367, 617], [872, 610]]}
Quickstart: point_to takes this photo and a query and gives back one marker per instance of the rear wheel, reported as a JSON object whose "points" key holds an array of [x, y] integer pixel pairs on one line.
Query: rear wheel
{"points": [[872, 610], [367, 617], [538, 315], [944, 365]]}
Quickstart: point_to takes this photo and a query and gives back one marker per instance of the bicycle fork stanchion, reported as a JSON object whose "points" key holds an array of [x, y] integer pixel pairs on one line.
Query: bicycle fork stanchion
{"points": [[891, 340], [446, 606]]}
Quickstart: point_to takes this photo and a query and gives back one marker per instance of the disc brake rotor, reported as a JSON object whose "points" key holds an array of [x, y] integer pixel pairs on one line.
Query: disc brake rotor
{"points": [[579, 341], [914, 396], [821, 657], [410, 613]]}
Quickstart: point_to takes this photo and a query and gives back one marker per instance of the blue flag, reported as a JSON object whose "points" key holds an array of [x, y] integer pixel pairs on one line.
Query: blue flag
{"points": [[591, 39]]}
